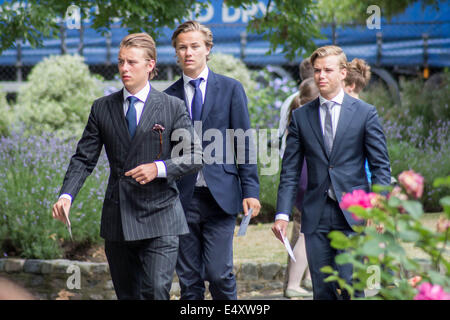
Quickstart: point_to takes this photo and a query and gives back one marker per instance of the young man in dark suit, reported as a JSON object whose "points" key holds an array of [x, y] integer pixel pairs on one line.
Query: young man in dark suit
{"points": [[335, 133], [213, 197], [142, 216]]}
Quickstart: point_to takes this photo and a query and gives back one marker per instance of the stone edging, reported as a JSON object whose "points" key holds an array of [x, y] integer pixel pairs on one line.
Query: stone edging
{"points": [[50, 279]]}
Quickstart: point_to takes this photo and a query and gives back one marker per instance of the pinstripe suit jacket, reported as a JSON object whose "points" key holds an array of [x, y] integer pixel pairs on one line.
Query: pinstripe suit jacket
{"points": [[132, 211]]}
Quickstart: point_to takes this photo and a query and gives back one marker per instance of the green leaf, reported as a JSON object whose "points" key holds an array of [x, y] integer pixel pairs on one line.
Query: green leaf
{"points": [[327, 269], [339, 240], [344, 258], [445, 203], [394, 202], [414, 208], [372, 248], [441, 182], [409, 235]]}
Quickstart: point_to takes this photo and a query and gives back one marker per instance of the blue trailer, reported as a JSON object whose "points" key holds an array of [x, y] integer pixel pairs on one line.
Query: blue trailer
{"points": [[416, 41]]}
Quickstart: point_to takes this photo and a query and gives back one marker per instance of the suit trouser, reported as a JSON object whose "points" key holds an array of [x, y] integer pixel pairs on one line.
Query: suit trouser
{"points": [[206, 252], [320, 254], [142, 269]]}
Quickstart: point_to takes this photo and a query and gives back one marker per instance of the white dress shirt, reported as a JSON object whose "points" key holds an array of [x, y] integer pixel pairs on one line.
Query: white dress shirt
{"points": [[335, 113], [189, 92], [139, 105]]}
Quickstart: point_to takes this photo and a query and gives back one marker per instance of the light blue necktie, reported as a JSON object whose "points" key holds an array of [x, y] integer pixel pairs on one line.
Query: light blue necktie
{"points": [[197, 100], [131, 115]]}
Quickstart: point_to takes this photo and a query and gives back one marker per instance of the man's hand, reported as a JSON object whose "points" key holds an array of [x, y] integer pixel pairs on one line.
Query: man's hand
{"points": [[279, 228], [251, 203], [61, 210], [144, 173]]}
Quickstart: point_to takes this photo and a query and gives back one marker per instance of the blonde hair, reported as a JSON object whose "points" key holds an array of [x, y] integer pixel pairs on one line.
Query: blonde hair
{"points": [[330, 51], [143, 41], [189, 26], [308, 91], [358, 73]]}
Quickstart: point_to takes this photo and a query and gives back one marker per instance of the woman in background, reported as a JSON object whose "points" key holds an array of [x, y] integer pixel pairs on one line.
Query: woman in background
{"points": [[299, 270], [358, 76]]}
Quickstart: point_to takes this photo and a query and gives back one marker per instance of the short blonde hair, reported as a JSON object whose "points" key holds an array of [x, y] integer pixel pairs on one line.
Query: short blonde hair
{"points": [[330, 51], [143, 41], [189, 26]]}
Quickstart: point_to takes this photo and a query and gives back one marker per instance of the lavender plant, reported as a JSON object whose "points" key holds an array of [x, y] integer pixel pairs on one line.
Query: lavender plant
{"points": [[31, 172], [266, 100]]}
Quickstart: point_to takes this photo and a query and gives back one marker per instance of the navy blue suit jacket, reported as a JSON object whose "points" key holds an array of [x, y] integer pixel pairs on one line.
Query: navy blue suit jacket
{"points": [[225, 107], [359, 135]]}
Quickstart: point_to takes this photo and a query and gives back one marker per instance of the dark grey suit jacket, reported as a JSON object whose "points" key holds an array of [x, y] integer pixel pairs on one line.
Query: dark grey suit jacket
{"points": [[132, 211], [359, 135]]}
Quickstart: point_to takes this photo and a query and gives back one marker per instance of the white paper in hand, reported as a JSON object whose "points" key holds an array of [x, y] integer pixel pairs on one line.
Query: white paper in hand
{"points": [[244, 224], [69, 226], [288, 247]]}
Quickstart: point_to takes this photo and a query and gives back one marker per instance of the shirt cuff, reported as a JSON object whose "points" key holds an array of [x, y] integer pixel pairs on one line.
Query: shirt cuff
{"points": [[282, 216], [161, 167], [66, 196]]}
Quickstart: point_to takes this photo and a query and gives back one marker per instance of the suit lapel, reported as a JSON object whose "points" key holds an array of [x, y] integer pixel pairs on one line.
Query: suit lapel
{"points": [[314, 121], [347, 112], [212, 92], [152, 107], [177, 90], [118, 118]]}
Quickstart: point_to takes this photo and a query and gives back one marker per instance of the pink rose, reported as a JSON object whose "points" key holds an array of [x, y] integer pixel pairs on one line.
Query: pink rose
{"points": [[358, 198], [443, 224], [427, 291], [412, 182], [414, 281]]}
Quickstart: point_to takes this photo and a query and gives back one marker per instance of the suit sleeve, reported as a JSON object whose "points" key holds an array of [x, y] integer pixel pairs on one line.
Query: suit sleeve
{"points": [[291, 167], [186, 156], [376, 150], [247, 167], [85, 158]]}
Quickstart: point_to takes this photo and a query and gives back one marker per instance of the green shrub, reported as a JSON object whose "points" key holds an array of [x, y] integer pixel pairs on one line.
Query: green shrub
{"points": [[6, 115], [377, 252], [428, 154], [266, 98], [57, 96], [31, 173], [232, 67], [265, 92]]}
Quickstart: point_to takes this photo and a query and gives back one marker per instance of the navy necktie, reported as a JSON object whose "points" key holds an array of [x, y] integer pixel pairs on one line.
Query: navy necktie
{"points": [[131, 115], [197, 100]]}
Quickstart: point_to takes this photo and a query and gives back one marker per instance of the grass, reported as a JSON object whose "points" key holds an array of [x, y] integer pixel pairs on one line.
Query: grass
{"points": [[260, 245]]}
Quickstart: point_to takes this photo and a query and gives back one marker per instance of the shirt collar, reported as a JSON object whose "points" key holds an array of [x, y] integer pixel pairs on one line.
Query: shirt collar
{"points": [[204, 74], [338, 99], [141, 95]]}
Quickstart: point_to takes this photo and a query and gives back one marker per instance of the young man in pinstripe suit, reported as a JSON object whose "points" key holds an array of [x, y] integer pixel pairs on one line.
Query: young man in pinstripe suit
{"points": [[142, 216]]}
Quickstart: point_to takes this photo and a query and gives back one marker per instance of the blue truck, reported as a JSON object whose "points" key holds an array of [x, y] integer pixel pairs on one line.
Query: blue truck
{"points": [[414, 42]]}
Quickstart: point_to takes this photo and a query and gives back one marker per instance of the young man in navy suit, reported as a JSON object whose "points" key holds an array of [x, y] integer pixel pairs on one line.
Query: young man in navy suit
{"points": [[335, 133], [212, 198]]}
